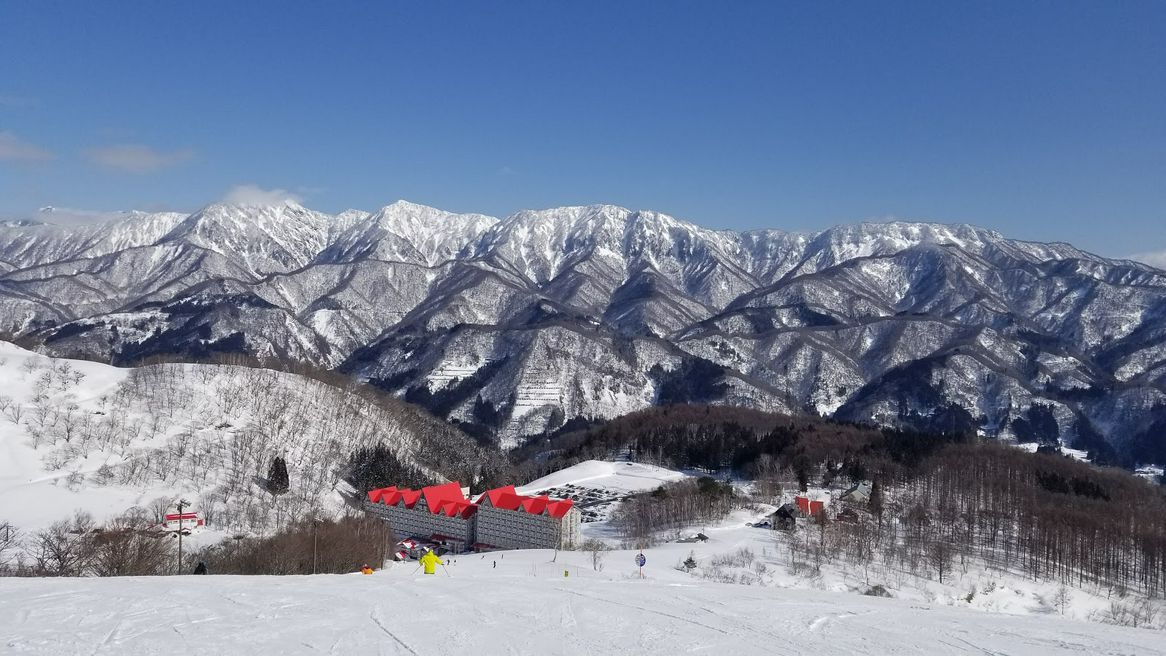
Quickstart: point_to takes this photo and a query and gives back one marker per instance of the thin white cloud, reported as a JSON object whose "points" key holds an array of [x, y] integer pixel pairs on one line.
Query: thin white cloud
{"points": [[15, 149], [1157, 259], [136, 158], [73, 216], [18, 102], [250, 194]]}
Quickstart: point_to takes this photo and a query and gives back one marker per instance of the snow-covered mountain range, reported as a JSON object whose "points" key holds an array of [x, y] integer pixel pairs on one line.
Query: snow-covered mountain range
{"points": [[512, 326]]}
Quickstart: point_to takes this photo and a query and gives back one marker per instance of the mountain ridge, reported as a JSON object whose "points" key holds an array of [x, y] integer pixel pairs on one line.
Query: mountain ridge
{"points": [[510, 326]]}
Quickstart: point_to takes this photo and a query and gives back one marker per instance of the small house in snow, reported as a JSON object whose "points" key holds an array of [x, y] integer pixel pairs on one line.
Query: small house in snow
{"points": [[784, 518], [858, 493], [175, 521]]}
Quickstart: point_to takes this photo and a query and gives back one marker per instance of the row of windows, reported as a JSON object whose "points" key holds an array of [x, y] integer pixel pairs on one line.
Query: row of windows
{"points": [[501, 528]]}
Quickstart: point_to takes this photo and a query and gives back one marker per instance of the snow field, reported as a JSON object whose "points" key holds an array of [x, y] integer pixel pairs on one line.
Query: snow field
{"points": [[756, 557], [523, 606]]}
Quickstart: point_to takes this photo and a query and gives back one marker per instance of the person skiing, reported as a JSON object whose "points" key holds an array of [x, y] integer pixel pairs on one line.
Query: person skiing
{"points": [[200, 568], [366, 570], [430, 561]]}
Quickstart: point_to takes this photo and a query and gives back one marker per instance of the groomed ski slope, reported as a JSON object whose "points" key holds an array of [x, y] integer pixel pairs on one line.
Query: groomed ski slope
{"points": [[618, 477], [523, 606]]}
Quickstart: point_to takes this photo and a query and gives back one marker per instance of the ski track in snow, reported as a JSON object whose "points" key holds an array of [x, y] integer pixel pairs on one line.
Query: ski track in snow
{"points": [[373, 615], [520, 608]]}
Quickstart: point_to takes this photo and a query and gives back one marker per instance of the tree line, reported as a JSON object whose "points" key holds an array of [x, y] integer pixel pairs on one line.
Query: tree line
{"points": [[133, 545], [940, 500]]}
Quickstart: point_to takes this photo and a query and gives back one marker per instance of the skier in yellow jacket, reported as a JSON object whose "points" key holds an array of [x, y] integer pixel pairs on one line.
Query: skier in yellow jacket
{"points": [[430, 561]]}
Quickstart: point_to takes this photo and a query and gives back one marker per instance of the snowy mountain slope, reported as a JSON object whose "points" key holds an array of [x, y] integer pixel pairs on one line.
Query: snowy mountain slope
{"points": [[524, 606], [37, 243], [407, 232], [595, 310], [265, 239], [77, 434], [597, 474]]}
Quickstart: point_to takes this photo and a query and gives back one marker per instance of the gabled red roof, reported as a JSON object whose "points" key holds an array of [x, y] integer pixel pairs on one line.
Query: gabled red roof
{"points": [[535, 505], [559, 508], [410, 497], [455, 509], [437, 496], [495, 494], [508, 501], [447, 499], [377, 495], [461, 509], [507, 498]]}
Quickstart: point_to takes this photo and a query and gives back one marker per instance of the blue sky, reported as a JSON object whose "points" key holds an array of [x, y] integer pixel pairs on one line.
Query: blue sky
{"points": [[1042, 120]]}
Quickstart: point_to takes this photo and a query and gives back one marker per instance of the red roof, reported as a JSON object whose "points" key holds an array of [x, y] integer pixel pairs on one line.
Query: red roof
{"points": [[437, 496], [410, 497], [496, 493], [173, 517], [378, 495], [461, 509], [559, 508], [506, 498], [508, 501], [447, 499], [535, 505]]}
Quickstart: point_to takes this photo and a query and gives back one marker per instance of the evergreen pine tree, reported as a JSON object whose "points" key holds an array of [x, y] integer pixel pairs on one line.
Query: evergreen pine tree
{"points": [[277, 478]]}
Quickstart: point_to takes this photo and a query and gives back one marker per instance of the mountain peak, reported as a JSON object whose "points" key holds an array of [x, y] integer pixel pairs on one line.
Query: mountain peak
{"points": [[407, 232]]}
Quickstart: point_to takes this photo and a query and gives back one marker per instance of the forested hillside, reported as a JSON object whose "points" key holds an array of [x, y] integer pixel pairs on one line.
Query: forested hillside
{"points": [[940, 501], [82, 435]]}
